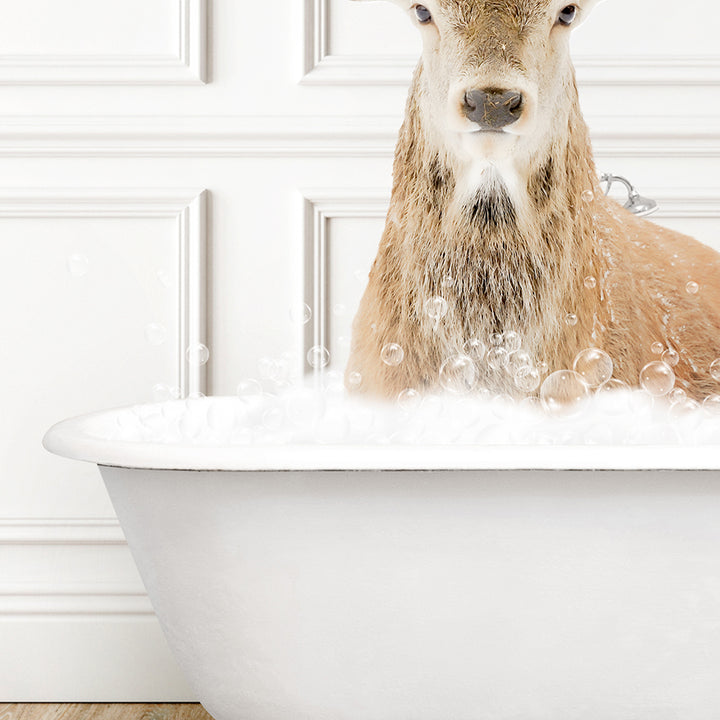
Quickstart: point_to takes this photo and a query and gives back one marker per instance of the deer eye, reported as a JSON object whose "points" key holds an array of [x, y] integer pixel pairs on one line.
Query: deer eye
{"points": [[567, 15], [423, 14]]}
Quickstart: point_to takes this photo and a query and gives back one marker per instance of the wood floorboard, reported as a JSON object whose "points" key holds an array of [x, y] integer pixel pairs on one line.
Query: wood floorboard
{"points": [[102, 711]]}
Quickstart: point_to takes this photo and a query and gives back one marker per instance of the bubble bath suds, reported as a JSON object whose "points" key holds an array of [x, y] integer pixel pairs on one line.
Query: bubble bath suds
{"points": [[327, 416]]}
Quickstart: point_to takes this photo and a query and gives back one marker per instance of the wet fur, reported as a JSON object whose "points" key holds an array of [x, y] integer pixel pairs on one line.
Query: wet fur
{"points": [[522, 268]]}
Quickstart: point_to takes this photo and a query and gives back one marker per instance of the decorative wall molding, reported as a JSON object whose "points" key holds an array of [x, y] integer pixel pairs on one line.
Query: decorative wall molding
{"points": [[321, 206], [61, 531], [680, 203], [186, 67], [311, 136], [63, 599], [78, 594], [187, 207], [321, 67]]}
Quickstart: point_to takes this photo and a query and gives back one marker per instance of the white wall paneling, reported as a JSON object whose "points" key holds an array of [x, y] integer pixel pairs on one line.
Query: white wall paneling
{"points": [[63, 573], [187, 208], [333, 295], [110, 104], [60, 531], [344, 138], [71, 42], [623, 48]]}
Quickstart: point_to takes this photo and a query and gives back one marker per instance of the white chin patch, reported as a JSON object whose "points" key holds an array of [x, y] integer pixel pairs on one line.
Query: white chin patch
{"points": [[486, 173]]}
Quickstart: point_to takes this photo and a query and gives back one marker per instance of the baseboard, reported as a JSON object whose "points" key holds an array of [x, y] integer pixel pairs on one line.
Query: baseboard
{"points": [[87, 659]]}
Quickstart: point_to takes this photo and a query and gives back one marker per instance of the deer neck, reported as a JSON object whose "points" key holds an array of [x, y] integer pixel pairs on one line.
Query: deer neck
{"points": [[505, 254]]}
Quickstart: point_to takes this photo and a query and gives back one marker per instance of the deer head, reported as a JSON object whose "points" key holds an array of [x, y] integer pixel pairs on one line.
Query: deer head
{"points": [[497, 84]]}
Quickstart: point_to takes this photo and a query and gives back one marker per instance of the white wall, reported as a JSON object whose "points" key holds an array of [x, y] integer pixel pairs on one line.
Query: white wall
{"points": [[165, 146]]}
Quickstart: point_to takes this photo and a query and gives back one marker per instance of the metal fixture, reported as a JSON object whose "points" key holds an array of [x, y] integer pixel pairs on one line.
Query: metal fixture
{"points": [[636, 203]]}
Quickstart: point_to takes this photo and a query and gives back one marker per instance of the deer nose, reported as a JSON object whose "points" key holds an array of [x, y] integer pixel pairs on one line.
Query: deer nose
{"points": [[493, 109]]}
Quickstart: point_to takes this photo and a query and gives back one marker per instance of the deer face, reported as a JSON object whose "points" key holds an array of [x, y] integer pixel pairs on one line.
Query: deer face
{"points": [[496, 76]]}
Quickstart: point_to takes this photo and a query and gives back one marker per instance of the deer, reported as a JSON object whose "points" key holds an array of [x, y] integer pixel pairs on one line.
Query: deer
{"points": [[498, 225]]}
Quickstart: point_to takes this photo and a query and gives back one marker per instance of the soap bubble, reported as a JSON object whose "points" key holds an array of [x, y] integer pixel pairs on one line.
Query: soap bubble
{"points": [[590, 282], [571, 319], [300, 314], [318, 357], [447, 281], [354, 380], [527, 379], [496, 340], [588, 196], [594, 365], [614, 396], [657, 348], [692, 288], [78, 264], [436, 308], [161, 392], [392, 354], [409, 399], [685, 407], [498, 358], [612, 385], [275, 369], [657, 379], [474, 349], [671, 357], [511, 341], [677, 395], [715, 370], [517, 361], [563, 391], [155, 333], [197, 354], [712, 404], [458, 374], [249, 389]]}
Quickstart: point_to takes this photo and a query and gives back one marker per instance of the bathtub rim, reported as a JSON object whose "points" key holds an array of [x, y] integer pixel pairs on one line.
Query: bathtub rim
{"points": [[70, 439]]}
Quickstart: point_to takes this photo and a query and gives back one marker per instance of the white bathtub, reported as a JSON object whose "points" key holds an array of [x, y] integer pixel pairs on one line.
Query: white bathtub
{"points": [[445, 583]]}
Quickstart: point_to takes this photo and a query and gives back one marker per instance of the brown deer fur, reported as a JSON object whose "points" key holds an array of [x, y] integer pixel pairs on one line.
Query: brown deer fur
{"points": [[508, 233]]}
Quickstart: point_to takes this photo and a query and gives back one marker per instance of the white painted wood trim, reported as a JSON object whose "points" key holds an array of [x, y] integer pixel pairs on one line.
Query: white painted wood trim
{"points": [[311, 136], [61, 531], [186, 67], [187, 207], [321, 205], [592, 71], [323, 68], [79, 599]]}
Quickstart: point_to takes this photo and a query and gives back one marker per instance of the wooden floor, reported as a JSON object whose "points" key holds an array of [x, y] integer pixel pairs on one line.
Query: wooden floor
{"points": [[99, 711]]}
